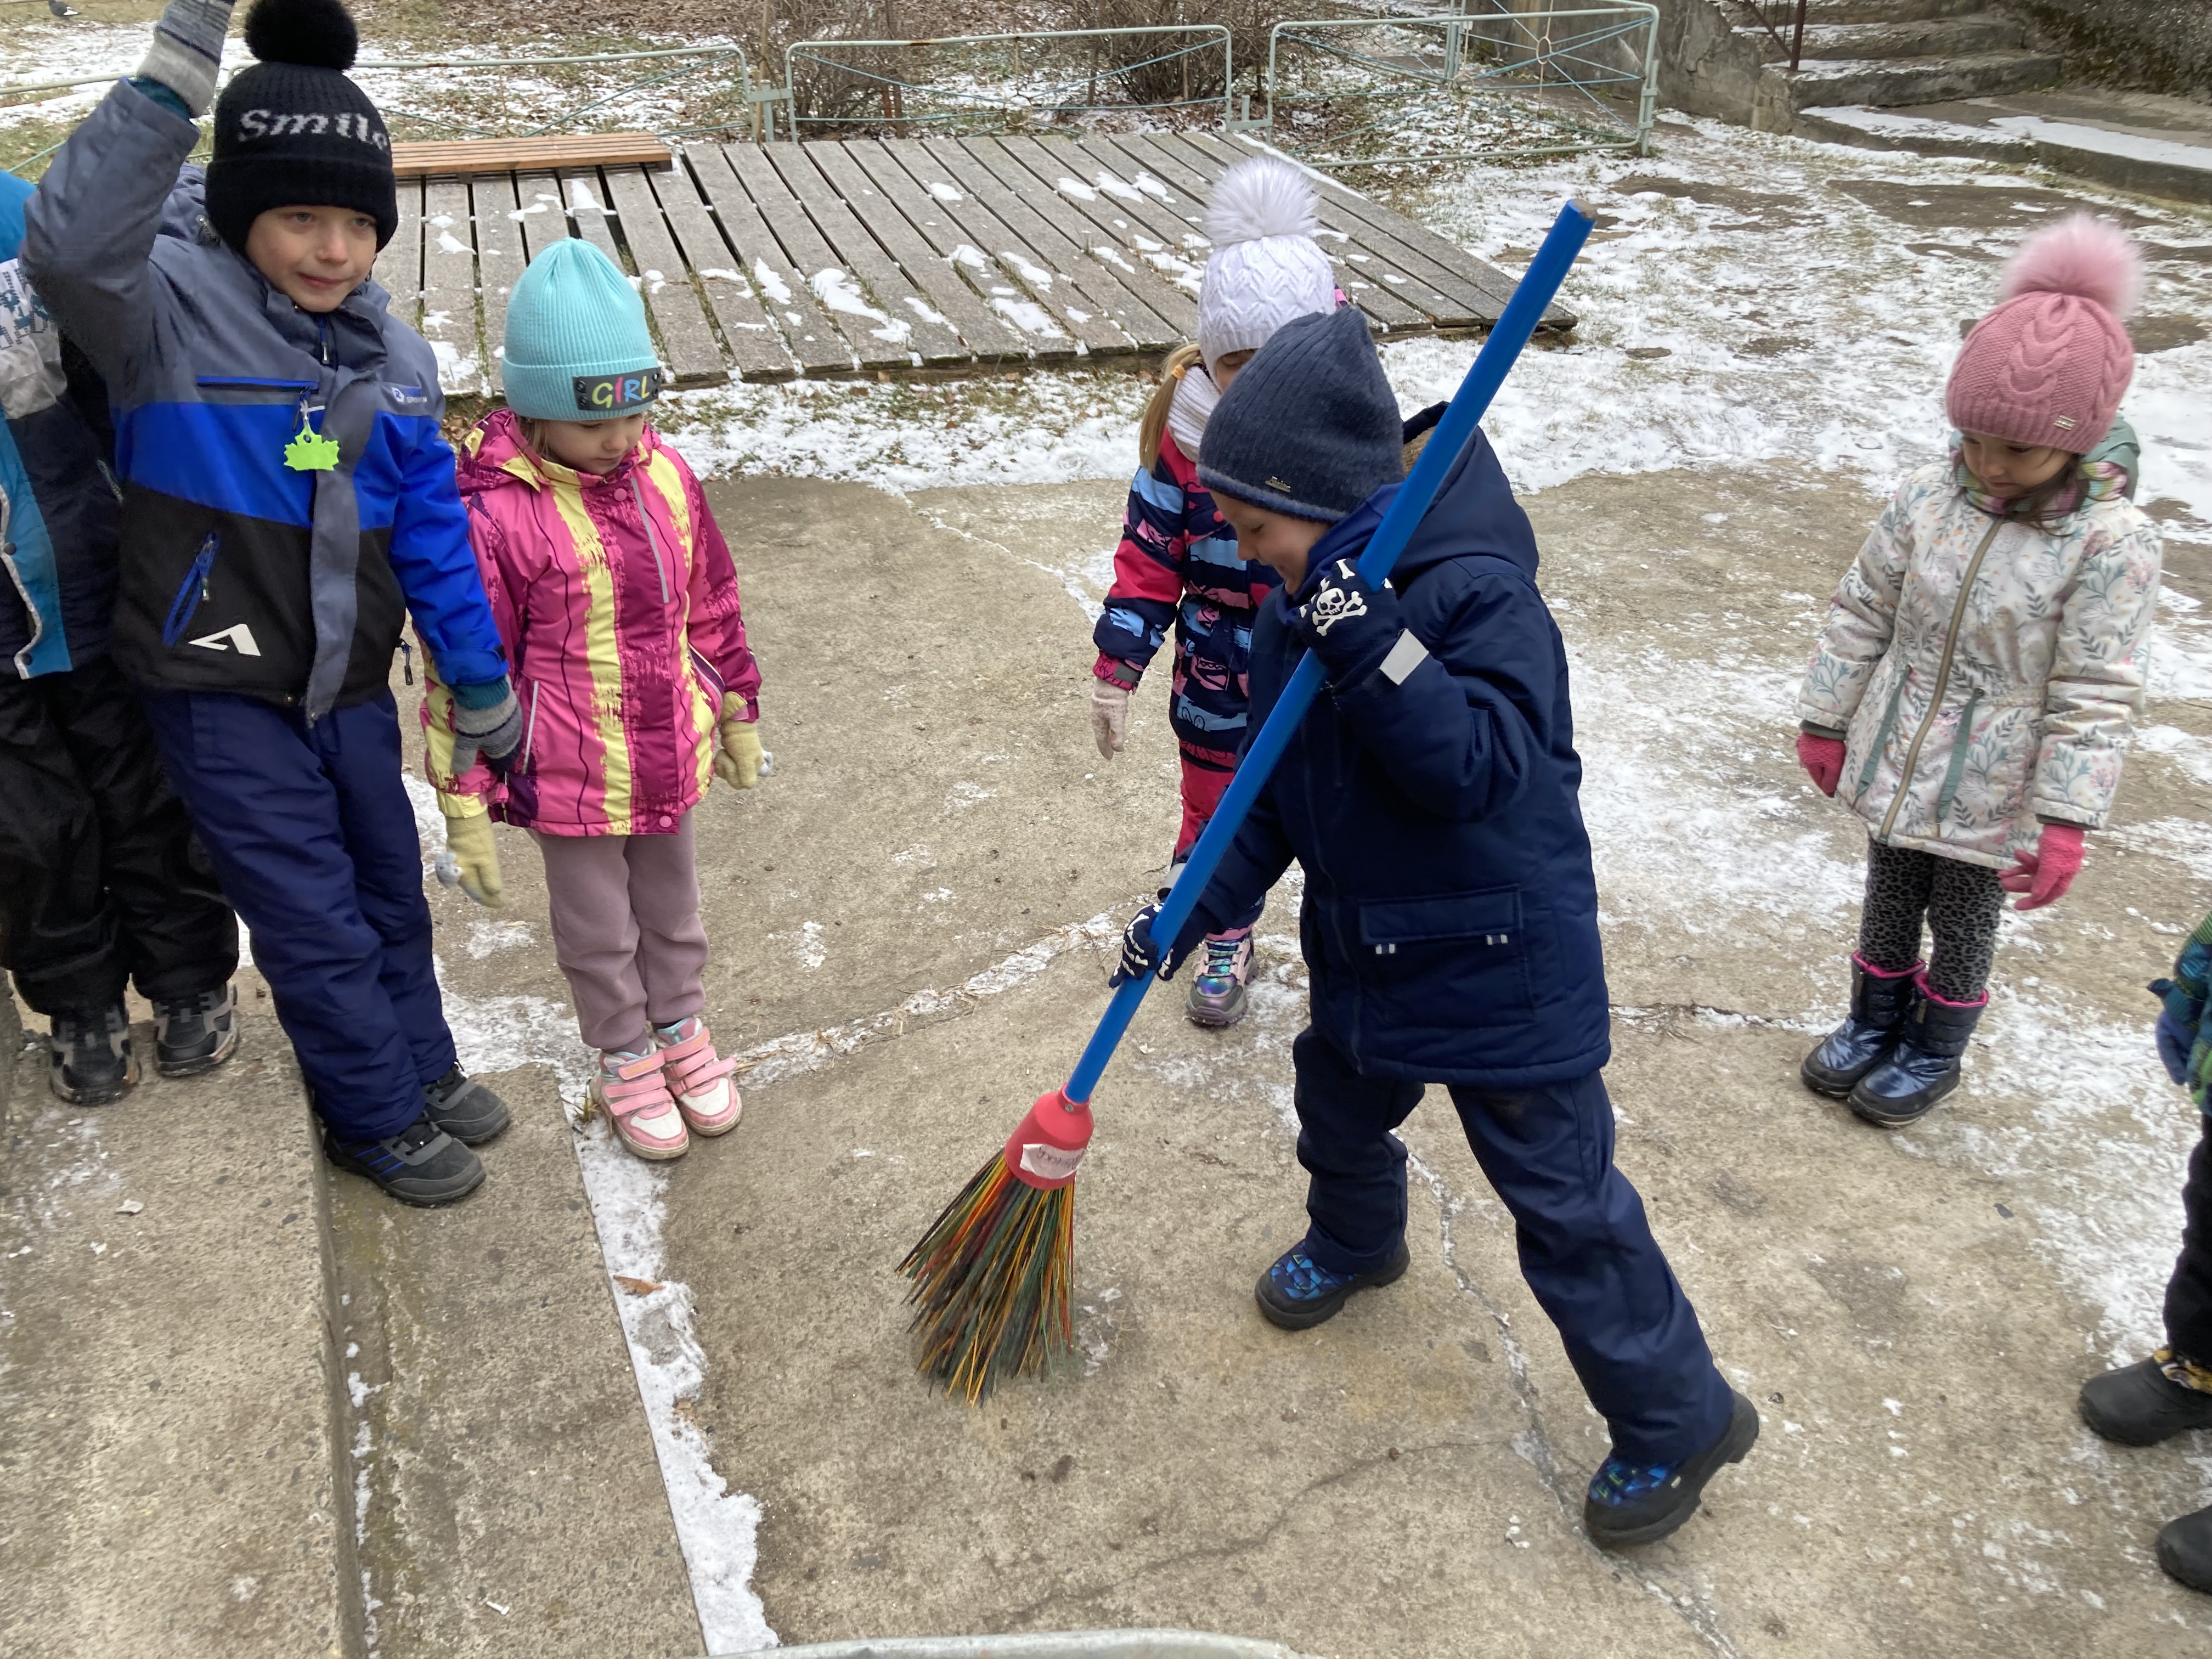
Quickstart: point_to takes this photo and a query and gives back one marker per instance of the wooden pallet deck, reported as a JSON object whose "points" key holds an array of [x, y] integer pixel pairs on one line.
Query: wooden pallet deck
{"points": [[865, 257]]}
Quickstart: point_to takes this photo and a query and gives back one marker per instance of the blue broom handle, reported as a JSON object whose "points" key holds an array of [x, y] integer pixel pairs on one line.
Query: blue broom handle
{"points": [[1539, 285]]}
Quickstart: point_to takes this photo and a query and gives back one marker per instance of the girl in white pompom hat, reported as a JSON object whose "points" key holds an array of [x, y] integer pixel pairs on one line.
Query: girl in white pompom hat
{"points": [[1178, 562]]}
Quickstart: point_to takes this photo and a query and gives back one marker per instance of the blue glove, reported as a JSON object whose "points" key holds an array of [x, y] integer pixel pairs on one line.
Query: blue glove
{"points": [[1141, 952], [1351, 626]]}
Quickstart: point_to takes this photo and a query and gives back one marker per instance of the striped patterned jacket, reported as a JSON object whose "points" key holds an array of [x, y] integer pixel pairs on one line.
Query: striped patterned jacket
{"points": [[618, 603], [1178, 562]]}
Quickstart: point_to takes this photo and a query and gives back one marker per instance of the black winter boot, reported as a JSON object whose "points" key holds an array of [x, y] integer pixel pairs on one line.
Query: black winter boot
{"points": [[92, 1064], [194, 1034], [2140, 1405], [1632, 1503], [1878, 1002], [1924, 1067], [2185, 1550], [465, 1108], [421, 1165]]}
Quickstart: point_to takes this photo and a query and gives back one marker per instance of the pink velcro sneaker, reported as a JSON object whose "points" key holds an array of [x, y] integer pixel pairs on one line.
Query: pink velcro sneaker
{"points": [[699, 1077], [632, 1090]]}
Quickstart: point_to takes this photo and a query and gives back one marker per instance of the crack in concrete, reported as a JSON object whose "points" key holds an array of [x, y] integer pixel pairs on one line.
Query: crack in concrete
{"points": [[1236, 1547], [1536, 1444]]}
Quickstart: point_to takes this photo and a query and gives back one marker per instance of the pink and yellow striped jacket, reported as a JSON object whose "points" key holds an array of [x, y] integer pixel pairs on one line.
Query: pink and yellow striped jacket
{"points": [[617, 602]]}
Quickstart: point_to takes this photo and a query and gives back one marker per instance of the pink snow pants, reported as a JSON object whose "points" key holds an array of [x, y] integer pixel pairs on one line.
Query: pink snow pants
{"points": [[627, 932]]}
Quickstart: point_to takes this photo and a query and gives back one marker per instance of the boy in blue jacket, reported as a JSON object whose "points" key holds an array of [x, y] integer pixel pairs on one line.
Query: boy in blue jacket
{"points": [[101, 881], [286, 503], [1450, 916]]}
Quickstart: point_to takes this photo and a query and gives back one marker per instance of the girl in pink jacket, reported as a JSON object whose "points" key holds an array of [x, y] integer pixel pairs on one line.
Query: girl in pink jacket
{"points": [[617, 602]]}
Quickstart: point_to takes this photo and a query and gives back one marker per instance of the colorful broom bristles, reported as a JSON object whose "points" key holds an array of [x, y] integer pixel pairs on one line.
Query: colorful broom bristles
{"points": [[992, 1276]]}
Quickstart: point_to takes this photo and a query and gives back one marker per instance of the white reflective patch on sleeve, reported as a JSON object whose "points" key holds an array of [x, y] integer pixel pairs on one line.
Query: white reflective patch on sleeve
{"points": [[1405, 657]]}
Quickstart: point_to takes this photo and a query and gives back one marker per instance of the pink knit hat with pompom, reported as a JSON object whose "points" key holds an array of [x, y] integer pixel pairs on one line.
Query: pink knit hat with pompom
{"points": [[2049, 365]]}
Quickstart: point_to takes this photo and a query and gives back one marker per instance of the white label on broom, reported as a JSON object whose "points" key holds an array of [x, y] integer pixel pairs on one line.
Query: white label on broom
{"points": [[1053, 1163]]}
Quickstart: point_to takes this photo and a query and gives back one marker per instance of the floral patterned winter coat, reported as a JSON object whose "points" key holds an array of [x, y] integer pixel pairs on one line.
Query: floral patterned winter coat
{"points": [[1985, 672]]}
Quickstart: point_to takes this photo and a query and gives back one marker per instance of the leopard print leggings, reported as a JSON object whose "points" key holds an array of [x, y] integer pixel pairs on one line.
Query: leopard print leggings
{"points": [[1961, 902]]}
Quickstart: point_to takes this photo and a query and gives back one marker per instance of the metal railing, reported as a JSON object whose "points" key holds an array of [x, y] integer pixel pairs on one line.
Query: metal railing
{"points": [[945, 102], [1589, 73], [1795, 46]]}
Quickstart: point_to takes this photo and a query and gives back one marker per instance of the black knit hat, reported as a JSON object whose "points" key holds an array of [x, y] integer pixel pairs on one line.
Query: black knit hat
{"points": [[294, 129], [1310, 426]]}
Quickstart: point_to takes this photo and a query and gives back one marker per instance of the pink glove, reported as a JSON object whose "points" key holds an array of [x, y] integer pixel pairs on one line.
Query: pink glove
{"points": [[2045, 874], [1822, 759]]}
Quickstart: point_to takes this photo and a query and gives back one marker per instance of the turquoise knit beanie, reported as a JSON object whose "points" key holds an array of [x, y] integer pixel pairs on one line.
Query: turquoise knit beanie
{"points": [[577, 345]]}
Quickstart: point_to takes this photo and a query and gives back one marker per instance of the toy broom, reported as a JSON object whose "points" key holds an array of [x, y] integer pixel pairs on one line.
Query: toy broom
{"points": [[992, 1274]]}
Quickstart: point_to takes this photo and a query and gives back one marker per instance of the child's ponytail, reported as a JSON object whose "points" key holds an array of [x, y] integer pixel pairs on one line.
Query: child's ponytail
{"points": [[1154, 425]]}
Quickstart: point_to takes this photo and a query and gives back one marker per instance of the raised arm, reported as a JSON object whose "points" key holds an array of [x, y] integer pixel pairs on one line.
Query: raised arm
{"points": [[89, 231]]}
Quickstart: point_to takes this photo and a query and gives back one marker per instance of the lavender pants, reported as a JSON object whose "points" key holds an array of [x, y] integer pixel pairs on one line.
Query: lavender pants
{"points": [[626, 931]]}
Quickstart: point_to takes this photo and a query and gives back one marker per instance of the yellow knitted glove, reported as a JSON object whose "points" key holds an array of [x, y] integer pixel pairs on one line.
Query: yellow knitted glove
{"points": [[469, 840], [738, 761]]}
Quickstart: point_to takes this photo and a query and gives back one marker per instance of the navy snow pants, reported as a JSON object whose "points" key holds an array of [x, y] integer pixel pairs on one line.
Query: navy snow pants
{"points": [[1586, 1249], [313, 838]]}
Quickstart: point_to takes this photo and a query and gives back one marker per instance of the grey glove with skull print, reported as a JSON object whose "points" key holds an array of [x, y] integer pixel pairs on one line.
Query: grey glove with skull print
{"points": [[1350, 626]]}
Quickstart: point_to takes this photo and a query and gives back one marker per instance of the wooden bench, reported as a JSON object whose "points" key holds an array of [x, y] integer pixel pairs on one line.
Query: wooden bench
{"points": [[465, 157]]}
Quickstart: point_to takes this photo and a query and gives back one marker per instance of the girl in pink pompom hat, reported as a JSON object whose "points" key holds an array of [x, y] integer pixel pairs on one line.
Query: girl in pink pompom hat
{"points": [[1977, 684]]}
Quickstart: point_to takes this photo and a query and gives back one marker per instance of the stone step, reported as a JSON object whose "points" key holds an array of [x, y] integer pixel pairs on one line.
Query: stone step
{"points": [[1828, 13], [1937, 37], [2101, 138], [172, 1439], [1882, 83]]}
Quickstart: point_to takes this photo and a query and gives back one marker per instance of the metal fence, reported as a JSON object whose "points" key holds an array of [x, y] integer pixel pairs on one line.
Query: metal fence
{"points": [[972, 82], [1511, 82]]}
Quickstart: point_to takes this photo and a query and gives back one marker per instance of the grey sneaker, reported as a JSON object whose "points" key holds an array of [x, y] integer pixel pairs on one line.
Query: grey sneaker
{"points": [[92, 1064], [465, 1108], [1216, 989], [195, 1034]]}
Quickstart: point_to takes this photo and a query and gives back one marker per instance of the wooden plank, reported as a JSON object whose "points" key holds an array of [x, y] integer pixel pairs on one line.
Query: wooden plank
{"points": [[1150, 225], [500, 259], [449, 287], [1477, 291], [1077, 212], [814, 341], [876, 342], [588, 206], [1371, 292], [988, 337], [1058, 238], [750, 334], [1085, 301], [932, 333], [541, 214], [664, 282], [459, 157], [399, 262], [1056, 325]]}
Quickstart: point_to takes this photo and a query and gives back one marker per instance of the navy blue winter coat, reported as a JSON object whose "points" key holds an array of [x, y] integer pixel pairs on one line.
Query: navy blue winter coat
{"points": [[1450, 918]]}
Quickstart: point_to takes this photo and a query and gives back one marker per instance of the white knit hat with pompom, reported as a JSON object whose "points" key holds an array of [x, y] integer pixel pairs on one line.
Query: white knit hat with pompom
{"points": [[1266, 268]]}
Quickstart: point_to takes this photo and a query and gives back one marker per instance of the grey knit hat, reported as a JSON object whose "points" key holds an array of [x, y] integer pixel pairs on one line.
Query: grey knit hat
{"points": [[1310, 426]]}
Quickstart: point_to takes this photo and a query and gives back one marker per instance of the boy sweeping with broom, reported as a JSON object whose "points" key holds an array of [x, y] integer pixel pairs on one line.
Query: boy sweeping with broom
{"points": [[1450, 917]]}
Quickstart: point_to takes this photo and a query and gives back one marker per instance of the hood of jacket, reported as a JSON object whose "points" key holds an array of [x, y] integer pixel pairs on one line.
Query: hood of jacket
{"points": [[499, 457], [1474, 516]]}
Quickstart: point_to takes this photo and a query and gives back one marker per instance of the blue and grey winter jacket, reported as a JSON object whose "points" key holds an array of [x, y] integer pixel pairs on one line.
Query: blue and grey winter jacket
{"points": [[58, 499], [1450, 918], [239, 573]]}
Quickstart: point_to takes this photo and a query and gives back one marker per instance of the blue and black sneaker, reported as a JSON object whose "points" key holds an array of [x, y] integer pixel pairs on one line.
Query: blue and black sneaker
{"points": [[422, 1164], [1632, 1504], [1297, 1293]]}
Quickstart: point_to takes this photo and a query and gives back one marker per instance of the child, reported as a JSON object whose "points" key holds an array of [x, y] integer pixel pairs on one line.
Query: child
{"points": [[2171, 1392], [101, 881], [1177, 559], [1450, 917], [618, 603], [287, 500], [1975, 688]]}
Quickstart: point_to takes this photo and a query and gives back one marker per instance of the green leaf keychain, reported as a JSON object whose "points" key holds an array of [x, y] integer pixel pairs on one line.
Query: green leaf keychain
{"points": [[309, 451]]}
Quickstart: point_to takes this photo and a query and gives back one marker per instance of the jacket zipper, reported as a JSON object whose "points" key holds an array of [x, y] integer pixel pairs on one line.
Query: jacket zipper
{"points": [[530, 730], [1942, 679], [192, 593], [652, 541]]}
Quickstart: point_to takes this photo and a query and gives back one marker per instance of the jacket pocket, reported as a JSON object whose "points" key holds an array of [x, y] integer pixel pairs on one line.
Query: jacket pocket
{"points": [[190, 592], [1961, 746], [1881, 734], [1493, 916]]}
